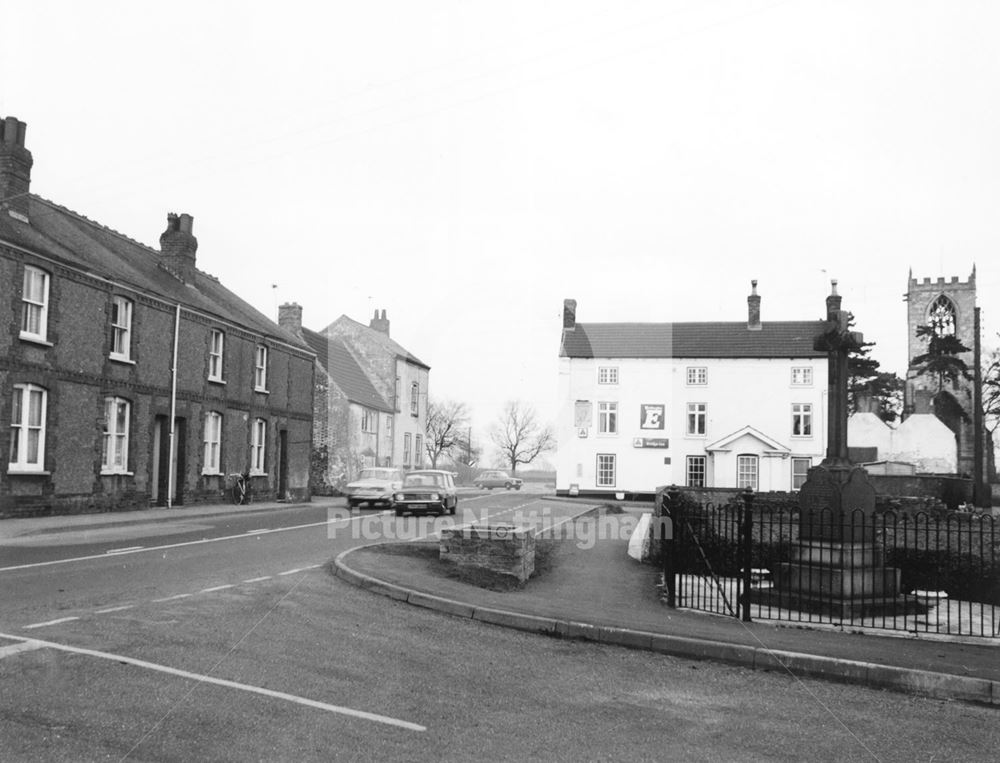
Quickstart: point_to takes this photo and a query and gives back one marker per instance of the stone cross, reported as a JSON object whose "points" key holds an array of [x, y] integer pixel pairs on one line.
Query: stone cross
{"points": [[837, 340]]}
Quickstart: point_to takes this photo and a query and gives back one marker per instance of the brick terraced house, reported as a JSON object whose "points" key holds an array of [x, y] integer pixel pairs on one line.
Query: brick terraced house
{"points": [[129, 377]]}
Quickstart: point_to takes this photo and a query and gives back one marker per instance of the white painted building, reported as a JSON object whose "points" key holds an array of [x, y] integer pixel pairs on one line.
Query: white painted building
{"points": [[715, 404]]}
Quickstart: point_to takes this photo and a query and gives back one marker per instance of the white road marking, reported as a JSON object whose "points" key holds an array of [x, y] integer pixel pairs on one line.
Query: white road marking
{"points": [[258, 580], [127, 550], [258, 531], [140, 549], [172, 598], [50, 622], [24, 646], [217, 588], [291, 572], [201, 678], [114, 609]]}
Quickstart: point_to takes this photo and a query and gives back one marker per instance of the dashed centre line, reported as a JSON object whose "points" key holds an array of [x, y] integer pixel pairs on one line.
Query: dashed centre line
{"points": [[257, 580], [217, 588], [126, 550], [173, 598], [50, 622], [114, 609]]}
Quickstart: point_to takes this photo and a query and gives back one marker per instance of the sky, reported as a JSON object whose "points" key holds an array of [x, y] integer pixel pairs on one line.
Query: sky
{"points": [[467, 166]]}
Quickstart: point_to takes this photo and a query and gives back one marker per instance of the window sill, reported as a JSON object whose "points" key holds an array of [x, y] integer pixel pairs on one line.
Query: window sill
{"points": [[35, 340], [257, 474], [211, 474], [696, 437], [801, 436], [16, 472], [116, 474], [262, 391], [214, 380], [121, 359]]}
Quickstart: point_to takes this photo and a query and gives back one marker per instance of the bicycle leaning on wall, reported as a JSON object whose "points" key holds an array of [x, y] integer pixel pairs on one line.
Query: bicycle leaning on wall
{"points": [[240, 490]]}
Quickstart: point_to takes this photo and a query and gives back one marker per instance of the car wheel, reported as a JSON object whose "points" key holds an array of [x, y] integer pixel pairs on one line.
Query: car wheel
{"points": [[454, 508], [399, 512], [507, 485], [351, 504], [517, 487]]}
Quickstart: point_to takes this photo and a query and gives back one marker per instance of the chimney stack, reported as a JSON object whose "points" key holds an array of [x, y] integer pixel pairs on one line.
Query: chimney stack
{"points": [[753, 308], [569, 314], [15, 168], [179, 247], [290, 317], [380, 323], [833, 302]]}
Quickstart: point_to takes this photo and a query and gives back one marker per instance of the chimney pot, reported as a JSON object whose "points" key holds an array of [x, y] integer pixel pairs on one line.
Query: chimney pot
{"points": [[380, 323]]}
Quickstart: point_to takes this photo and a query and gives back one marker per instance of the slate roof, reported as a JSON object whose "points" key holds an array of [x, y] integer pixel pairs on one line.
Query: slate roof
{"points": [[390, 344], [775, 339], [71, 239], [342, 368]]}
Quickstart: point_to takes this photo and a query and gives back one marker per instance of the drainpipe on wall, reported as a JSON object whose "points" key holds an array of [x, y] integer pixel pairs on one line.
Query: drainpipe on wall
{"points": [[173, 409]]}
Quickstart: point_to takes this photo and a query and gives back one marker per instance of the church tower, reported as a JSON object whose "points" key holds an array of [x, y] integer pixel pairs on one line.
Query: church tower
{"points": [[949, 308]]}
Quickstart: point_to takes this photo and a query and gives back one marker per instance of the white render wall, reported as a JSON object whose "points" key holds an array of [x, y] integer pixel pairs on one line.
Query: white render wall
{"points": [[739, 393]]}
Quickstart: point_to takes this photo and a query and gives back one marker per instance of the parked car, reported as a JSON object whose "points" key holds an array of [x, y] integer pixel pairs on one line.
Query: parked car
{"points": [[490, 480], [374, 486], [426, 491]]}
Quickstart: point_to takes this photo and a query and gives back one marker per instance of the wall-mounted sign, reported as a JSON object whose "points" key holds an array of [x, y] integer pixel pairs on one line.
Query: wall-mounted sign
{"points": [[582, 413], [651, 416], [650, 442], [581, 432]]}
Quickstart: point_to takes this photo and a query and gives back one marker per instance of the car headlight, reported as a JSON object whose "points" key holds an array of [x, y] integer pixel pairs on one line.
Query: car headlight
{"points": [[435, 497], [399, 497]]}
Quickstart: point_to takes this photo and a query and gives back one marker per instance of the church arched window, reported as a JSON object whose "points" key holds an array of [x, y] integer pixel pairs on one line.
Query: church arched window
{"points": [[941, 316]]}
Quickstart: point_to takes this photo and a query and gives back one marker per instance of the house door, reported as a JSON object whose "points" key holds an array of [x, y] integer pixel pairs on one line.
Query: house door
{"points": [[179, 461], [158, 477], [282, 464]]}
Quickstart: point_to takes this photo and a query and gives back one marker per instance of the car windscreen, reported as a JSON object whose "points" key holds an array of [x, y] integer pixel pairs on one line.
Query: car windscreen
{"points": [[419, 480], [377, 474]]}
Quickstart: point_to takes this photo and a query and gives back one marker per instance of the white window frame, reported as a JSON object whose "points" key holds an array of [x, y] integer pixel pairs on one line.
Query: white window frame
{"points": [[406, 449], [697, 376], [212, 439], [607, 417], [415, 399], [697, 419], [35, 305], [803, 475], [747, 466], [22, 427], [260, 368], [258, 447], [802, 376], [369, 421], [115, 444], [689, 470], [607, 375], [418, 451], [802, 420], [121, 329], [216, 354], [606, 470]]}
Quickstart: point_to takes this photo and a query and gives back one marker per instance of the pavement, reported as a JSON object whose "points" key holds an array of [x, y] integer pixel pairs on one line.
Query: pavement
{"points": [[594, 591]]}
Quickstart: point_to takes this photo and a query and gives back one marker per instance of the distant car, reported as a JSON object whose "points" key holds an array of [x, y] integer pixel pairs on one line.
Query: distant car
{"points": [[374, 486], [426, 491], [490, 480]]}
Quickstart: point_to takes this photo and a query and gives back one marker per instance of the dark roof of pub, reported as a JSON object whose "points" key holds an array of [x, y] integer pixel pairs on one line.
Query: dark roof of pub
{"points": [[344, 370], [69, 238], [710, 339]]}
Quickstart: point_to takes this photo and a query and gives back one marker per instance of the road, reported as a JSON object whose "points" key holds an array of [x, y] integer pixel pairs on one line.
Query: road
{"points": [[229, 639]]}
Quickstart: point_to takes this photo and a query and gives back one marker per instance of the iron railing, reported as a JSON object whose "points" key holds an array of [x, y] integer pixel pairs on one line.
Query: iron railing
{"points": [[758, 558]]}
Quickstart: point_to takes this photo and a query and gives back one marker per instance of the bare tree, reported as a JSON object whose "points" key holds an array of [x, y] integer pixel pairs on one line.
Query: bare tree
{"points": [[447, 429], [519, 436]]}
